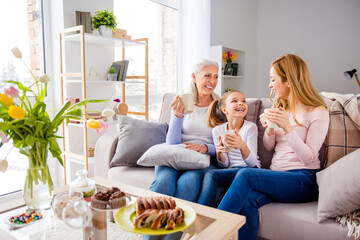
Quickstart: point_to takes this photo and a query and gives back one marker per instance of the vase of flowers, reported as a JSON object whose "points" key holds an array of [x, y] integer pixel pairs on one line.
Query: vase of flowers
{"points": [[28, 124], [105, 21], [228, 57]]}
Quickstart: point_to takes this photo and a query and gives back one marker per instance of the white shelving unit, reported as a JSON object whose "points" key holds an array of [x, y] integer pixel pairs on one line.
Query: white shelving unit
{"points": [[73, 84], [227, 81]]}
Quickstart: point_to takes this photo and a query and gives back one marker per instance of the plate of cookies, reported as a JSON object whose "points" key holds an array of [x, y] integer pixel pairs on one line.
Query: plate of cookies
{"points": [[110, 200], [155, 216]]}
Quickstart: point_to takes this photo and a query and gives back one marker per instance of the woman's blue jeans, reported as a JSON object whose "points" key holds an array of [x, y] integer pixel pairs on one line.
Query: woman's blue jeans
{"points": [[214, 181], [181, 184], [252, 188]]}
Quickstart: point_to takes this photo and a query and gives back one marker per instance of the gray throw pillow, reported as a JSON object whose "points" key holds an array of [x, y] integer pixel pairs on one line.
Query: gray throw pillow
{"points": [[339, 188], [136, 136], [175, 156]]}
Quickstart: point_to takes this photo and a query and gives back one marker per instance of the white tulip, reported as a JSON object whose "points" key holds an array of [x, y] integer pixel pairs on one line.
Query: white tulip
{"points": [[44, 78], [3, 165], [107, 113], [16, 52]]}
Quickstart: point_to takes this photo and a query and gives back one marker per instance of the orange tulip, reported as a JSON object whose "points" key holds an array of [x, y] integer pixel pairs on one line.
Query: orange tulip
{"points": [[5, 100], [93, 124], [16, 112]]}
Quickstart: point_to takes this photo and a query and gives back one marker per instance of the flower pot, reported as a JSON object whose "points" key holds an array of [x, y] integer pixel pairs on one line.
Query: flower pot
{"points": [[112, 77], [228, 69], [104, 31]]}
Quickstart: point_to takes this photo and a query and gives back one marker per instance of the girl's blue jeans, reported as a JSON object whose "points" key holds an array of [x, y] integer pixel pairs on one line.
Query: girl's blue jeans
{"points": [[214, 183], [252, 188]]}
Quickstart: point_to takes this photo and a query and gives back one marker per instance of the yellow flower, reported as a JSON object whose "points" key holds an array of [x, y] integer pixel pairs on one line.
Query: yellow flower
{"points": [[16, 112], [233, 57], [224, 56], [93, 124], [5, 100]]}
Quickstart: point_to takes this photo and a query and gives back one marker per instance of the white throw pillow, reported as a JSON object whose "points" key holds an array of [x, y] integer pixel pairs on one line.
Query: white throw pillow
{"points": [[175, 156], [339, 188]]}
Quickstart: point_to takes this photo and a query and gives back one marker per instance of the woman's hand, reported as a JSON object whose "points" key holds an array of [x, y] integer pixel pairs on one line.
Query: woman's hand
{"points": [[281, 118], [269, 131], [201, 148], [220, 149], [234, 141], [177, 106]]}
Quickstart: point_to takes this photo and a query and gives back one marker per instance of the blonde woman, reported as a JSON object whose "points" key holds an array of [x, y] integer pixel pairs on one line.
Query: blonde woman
{"points": [[303, 121]]}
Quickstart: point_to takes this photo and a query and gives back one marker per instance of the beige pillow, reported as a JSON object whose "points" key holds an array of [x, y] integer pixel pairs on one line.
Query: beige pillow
{"points": [[339, 187]]}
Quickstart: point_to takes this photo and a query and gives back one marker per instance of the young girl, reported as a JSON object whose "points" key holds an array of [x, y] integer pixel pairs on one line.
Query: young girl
{"points": [[228, 113]]}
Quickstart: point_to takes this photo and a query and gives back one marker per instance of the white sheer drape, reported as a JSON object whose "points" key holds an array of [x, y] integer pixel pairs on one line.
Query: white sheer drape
{"points": [[194, 37]]}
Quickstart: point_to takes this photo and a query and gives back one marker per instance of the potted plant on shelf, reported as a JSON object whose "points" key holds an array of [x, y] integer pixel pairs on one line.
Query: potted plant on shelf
{"points": [[228, 57], [105, 21], [112, 75], [27, 123]]}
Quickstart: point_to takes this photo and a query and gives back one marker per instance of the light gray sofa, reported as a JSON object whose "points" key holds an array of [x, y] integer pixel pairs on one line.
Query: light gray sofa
{"points": [[278, 221]]}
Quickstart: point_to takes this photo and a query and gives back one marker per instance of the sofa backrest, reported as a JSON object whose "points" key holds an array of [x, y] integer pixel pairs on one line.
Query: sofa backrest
{"points": [[256, 107]]}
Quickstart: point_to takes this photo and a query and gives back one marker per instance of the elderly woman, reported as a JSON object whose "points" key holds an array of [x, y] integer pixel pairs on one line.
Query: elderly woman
{"points": [[184, 128]]}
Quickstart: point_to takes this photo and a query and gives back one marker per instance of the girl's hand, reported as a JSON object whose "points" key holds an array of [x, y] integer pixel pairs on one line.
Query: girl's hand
{"points": [[177, 106], [234, 141], [220, 148], [201, 148], [281, 118]]}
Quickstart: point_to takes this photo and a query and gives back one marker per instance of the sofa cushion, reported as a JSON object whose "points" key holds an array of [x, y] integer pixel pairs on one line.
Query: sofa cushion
{"points": [[339, 189], [264, 155], [175, 156], [135, 137], [344, 131], [297, 221], [253, 109]]}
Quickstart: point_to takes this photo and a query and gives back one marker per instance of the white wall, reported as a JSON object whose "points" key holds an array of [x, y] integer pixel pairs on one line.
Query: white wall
{"points": [[324, 33], [233, 25]]}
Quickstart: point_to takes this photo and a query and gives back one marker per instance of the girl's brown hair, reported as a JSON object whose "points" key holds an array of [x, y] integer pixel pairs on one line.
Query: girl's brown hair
{"points": [[215, 115], [293, 69]]}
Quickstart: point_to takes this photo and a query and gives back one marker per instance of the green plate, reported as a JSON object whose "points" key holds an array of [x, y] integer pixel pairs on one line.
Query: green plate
{"points": [[125, 218]]}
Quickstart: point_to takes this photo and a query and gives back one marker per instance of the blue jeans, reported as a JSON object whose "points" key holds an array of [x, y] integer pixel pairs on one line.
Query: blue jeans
{"points": [[252, 188], [184, 184], [181, 184], [213, 180]]}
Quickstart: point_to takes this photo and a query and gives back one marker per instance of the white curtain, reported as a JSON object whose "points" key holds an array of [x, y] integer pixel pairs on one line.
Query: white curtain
{"points": [[194, 37]]}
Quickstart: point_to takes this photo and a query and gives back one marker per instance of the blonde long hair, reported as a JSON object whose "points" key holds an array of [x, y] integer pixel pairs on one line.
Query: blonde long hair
{"points": [[215, 115], [293, 69]]}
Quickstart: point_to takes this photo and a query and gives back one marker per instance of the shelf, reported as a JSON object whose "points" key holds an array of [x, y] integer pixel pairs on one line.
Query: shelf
{"points": [[229, 76], [91, 160], [102, 81], [104, 41]]}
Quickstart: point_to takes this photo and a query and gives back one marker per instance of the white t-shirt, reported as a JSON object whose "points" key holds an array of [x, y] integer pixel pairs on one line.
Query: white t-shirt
{"points": [[249, 133], [194, 128]]}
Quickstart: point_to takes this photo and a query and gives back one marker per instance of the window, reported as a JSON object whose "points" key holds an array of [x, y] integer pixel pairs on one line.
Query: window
{"points": [[23, 29], [159, 23]]}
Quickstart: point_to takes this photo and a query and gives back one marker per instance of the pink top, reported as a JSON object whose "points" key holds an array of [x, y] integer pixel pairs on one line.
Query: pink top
{"points": [[299, 148]]}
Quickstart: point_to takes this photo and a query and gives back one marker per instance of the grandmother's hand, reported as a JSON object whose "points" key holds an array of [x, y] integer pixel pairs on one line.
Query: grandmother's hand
{"points": [[201, 148], [177, 106]]}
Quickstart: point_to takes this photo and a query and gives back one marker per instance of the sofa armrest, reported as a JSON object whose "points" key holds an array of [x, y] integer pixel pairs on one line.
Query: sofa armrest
{"points": [[104, 151]]}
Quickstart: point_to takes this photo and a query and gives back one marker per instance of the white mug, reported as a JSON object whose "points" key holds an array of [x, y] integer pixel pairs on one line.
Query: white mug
{"points": [[270, 124], [223, 139], [187, 99]]}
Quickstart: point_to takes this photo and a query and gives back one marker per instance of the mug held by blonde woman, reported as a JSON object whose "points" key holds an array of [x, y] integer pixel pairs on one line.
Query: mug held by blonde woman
{"points": [[270, 124], [223, 140], [187, 99]]}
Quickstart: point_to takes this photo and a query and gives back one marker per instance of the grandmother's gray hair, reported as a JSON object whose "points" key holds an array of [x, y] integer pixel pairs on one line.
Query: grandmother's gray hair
{"points": [[196, 69]]}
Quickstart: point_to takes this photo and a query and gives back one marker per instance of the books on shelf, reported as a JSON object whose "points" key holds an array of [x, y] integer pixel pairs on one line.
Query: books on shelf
{"points": [[83, 18], [117, 69], [121, 33], [123, 69]]}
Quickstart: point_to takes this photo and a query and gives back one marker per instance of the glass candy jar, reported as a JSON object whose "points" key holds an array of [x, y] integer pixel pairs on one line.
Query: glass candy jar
{"points": [[83, 184]]}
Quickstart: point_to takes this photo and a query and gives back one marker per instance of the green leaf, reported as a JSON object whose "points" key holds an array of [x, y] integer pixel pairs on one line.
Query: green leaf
{"points": [[55, 149], [60, 113], [29, 140], [43, 93]]}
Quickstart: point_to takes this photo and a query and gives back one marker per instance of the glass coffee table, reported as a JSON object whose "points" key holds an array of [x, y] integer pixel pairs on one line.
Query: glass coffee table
{"points": [[210, 223]]}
